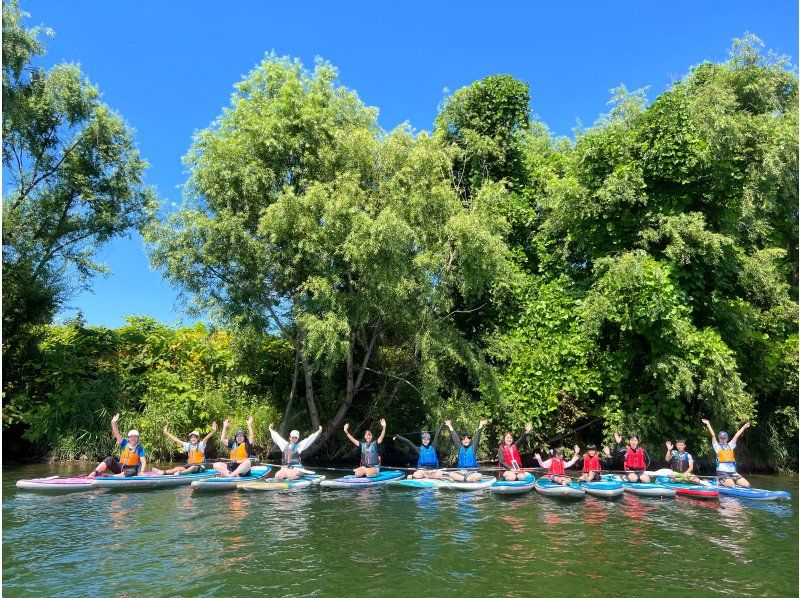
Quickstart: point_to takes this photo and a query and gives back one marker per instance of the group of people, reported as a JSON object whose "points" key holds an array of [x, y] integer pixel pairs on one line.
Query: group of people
{"points": [[635, 460]]}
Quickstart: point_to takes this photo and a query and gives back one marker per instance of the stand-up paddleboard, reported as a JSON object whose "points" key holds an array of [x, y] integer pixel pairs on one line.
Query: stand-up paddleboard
{"points": [[218, 484], [547, 487], [645, 489], [751, 493], [483, 484], [603, 488], [352, 482], [688, 489], [306, 481], [514, 487], [151, 480], [414, 484], [57, 484]]}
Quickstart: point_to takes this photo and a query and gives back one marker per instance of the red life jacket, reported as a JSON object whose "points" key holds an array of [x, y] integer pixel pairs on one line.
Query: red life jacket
{"points": [[511, 456], [634, 459], [591, 463], [556, 467]]}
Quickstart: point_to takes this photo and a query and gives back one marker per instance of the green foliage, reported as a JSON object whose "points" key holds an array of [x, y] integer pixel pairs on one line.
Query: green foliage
{"points": [[154, 375]]}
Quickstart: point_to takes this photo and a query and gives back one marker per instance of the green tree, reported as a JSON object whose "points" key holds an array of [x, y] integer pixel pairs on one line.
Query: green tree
{"points": [[303, 216]]}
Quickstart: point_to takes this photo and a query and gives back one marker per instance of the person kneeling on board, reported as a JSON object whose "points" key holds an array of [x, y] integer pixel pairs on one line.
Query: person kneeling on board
{"points": [[195, 452], [726, 463], [370, 452], [508, 455], [132, 459], [427, 456], [467, 454], [291, 450], [555, 466], [241, 451]]}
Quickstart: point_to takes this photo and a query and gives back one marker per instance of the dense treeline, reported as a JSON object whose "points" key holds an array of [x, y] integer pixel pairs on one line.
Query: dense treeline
{"points": [[636, 278]]}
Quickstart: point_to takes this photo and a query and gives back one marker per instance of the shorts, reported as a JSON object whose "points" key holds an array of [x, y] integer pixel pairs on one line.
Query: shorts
{"points": [[116, 467], [638, 472], [467, 472], [727, 475], [195, 468], [232, 467]]}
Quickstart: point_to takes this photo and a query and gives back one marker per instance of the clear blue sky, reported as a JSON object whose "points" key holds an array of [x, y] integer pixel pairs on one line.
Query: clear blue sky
{"points": [[169, 67]]}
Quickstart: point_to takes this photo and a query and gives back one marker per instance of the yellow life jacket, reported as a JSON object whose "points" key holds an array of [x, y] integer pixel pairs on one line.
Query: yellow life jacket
{"points": [[725, 455], [196, 456], [239, 452], [129, 457]]}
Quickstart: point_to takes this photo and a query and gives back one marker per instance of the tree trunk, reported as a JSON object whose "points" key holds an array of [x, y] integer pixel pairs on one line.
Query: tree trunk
{"points": [[288, 411]]}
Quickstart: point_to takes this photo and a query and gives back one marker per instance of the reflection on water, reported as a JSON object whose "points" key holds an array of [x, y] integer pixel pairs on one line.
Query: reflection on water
{"points": [[376, 541]]}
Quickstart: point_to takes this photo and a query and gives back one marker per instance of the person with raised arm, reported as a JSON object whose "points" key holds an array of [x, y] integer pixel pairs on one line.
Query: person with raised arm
{"points": [[508, 455], [467, 453], [555, 465], [370, 464], [241, 451], [593, 463], [291, 451], [635, 459], [132, 459], [195, 452], [427, 455], [726, 462], [680, 462]]}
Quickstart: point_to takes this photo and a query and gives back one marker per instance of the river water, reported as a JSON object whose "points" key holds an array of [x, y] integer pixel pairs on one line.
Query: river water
{"points": [[169, 542]]}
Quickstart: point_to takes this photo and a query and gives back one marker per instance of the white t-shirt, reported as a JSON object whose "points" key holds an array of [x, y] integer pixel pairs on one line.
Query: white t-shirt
{"points": [[724, 467], [201, 447]]}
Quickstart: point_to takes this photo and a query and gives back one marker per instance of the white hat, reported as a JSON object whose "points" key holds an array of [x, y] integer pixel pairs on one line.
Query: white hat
{"points": [[194, 433], [133, 433], [294, 434]]}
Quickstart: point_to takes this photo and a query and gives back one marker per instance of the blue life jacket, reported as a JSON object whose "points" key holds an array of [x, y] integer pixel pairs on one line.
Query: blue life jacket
{"points": [[427, 457], [466, 456], [369, 454]]}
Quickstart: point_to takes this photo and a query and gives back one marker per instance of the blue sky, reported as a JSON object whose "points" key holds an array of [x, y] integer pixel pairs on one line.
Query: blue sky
{"points": [[169, 67]]}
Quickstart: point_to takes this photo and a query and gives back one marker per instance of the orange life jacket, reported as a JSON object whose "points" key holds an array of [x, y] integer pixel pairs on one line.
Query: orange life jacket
{"points": [[239, 452], [725, 455], [196, 456], [129, 457]]}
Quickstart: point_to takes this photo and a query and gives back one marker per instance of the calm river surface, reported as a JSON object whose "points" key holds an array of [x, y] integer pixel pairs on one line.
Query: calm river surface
{"points": [[169, 542]]}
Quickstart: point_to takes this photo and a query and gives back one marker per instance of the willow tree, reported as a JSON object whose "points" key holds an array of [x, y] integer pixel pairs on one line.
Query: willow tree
{"points": [[302, 216]]}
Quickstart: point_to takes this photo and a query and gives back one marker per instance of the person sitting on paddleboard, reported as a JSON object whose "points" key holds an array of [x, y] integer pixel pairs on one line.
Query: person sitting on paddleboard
{"points": [[132, 459], [726, 463], [635, 458], [370, 452], [555, 465], [593, 463], [680, 462], [427, 455], [508, 455], [467, 453], [292, 467], [241, 451], [195, 452]]}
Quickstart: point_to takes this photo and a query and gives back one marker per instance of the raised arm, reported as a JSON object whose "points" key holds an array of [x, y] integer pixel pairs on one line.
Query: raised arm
{"points": [[277, 438], [541, 463], [211, 433], [520, 440], [115, 429], [435, 441], [251, 437], [349, 436], [453, 434], [414, 448], [477, 438], [575, 457], [383, 431], [308, 440], [739, 433], [171, 437], [224, 436], [668, 456]]}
